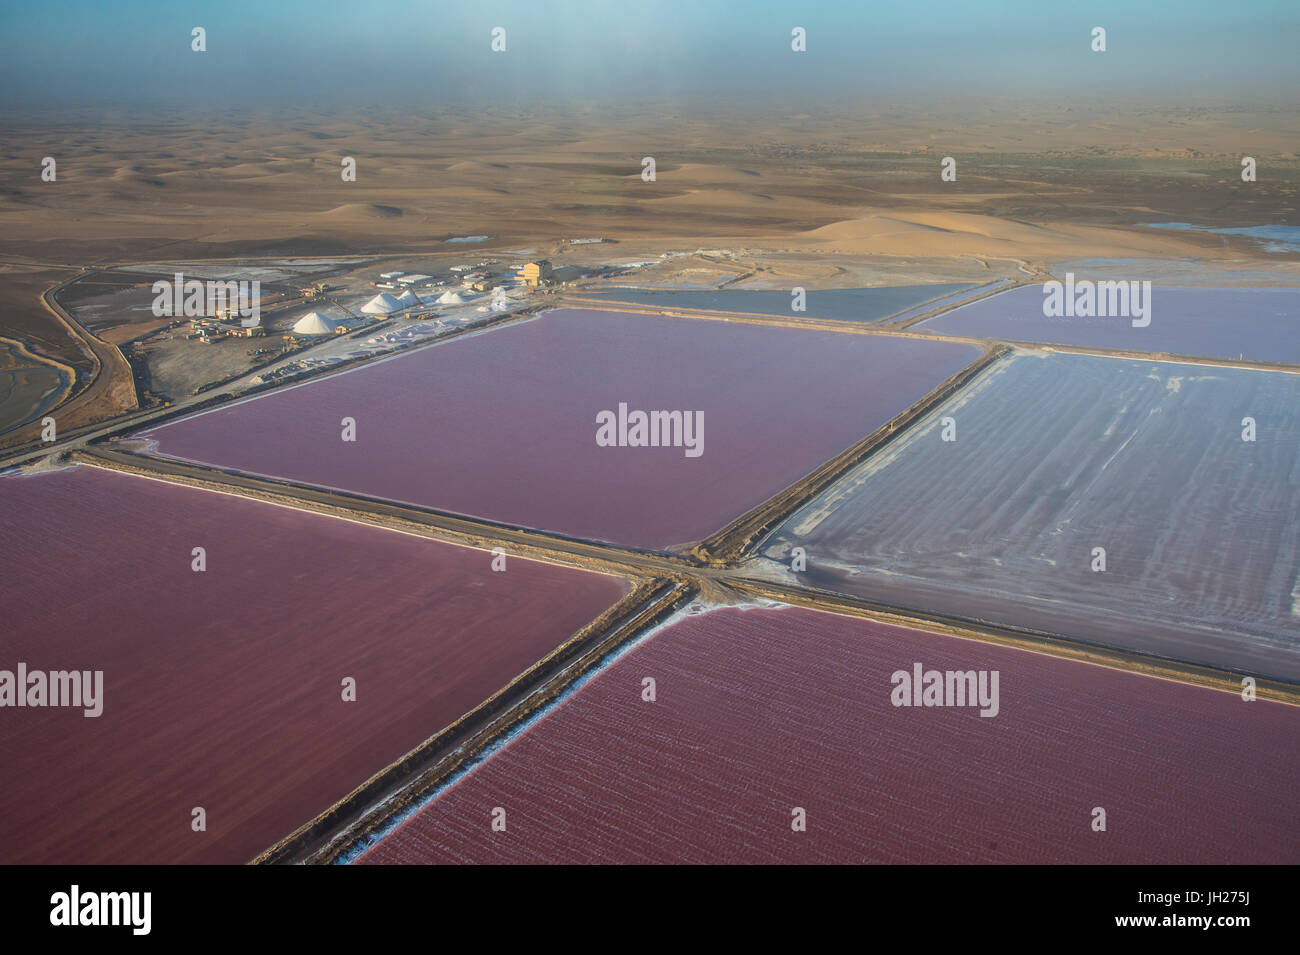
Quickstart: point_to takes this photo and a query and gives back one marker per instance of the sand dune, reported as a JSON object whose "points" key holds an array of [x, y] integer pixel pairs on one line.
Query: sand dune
{"points": [[725, 200], [699, 173], [363, 210], [922, 233], [492, 169], [259, 170], [136, 177]]}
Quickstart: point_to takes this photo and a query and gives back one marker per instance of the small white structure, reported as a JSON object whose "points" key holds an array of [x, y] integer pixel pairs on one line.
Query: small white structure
{"points": [[413, 279]]}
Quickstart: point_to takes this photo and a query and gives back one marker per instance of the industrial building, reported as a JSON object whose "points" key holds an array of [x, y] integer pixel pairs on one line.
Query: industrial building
{"points": [[537, 273]]}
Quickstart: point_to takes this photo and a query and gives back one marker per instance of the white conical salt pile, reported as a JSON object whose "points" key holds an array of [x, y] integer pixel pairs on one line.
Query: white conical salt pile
{"points": [[314, 323], [408, 299], [382, 304], [450, 298]]}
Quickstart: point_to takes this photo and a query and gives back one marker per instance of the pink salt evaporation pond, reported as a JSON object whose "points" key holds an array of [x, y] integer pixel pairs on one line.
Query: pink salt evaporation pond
{"points": [[223, 689], [758, 712], [503, 425]]}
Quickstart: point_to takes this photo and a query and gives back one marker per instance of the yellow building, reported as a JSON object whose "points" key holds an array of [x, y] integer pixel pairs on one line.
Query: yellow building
{"points": [[535, 273]]}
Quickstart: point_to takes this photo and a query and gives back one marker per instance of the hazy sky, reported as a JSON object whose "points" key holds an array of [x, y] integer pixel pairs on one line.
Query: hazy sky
{"points": [[124, 53]]}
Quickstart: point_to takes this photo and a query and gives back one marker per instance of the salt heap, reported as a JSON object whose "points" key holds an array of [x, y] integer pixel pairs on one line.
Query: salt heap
{"points": [[382, 304], [314, 323], [450, 298]]}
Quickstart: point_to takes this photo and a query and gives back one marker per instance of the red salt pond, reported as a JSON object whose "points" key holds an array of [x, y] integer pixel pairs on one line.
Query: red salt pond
{"points": [[503, 425], [222, 689], [758, 712]]}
